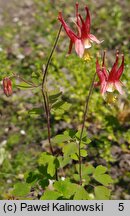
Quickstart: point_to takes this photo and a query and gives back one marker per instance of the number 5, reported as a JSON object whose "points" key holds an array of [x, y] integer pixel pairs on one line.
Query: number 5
{"points": [[121, 207]]}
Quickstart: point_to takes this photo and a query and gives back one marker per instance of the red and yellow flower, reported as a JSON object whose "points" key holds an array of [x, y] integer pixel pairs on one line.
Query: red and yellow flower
{"points": [[109, 82], [83, 39]]}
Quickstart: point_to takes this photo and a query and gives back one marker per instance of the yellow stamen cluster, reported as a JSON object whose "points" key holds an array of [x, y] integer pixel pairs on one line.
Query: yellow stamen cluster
{"points": [[86, 56], [110, 98]]}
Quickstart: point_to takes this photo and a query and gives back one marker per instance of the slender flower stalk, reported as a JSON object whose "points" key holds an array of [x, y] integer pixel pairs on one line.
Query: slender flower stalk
{"points": [[83, 125], [48, 120], [45, 94], [25, 81], [50, 56]]}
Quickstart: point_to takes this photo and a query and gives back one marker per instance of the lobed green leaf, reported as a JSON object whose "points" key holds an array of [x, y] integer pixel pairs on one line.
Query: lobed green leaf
{"points": [[21, 189], [102, 193]]}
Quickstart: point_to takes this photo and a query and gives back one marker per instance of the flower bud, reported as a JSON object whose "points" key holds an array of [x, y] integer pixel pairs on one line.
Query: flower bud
{"points": [[7, 86]]}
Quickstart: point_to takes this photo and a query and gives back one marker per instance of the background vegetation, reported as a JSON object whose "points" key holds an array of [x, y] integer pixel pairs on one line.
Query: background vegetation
{"points": [[27, 32]]}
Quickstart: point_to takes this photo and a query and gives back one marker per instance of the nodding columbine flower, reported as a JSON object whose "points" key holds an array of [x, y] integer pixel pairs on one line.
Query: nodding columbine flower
{"points": [[109, 82], [7, 86], [83, 39]]}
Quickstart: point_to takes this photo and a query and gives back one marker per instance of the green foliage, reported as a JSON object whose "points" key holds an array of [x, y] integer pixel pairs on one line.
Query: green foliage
{"points": [[35, 112], [51, 162], [21, 189], [69, 149], [89, 169], [39, 177], [60, 138], [68, 189], [54, 96], [50, 195], [102, 193], [65, 188], [84, 135], [13, 139], [101, 177], [24, 49], [58, 105], [87, 172], [32, 177], [100, 170], [24, 85], [81, 194]]}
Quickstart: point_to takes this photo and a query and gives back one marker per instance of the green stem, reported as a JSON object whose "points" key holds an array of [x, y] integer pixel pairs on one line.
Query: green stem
{"points": [[45, 94], [22, 79], [48, 120], [49, 59], [83, 126]]}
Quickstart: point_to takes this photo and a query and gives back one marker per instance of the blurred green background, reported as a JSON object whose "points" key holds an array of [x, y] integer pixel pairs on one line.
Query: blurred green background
{"points": [[27, 32]]}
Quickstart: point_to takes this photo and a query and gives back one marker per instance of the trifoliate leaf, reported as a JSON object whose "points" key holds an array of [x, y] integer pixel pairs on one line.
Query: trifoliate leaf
{"points": [[83, 153], [104, 179], [81, 194], [69, 149], [78, 134], [50, 195], [102, 193], [60, 138], [21, 189], [100, 170], [66, 188]]}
